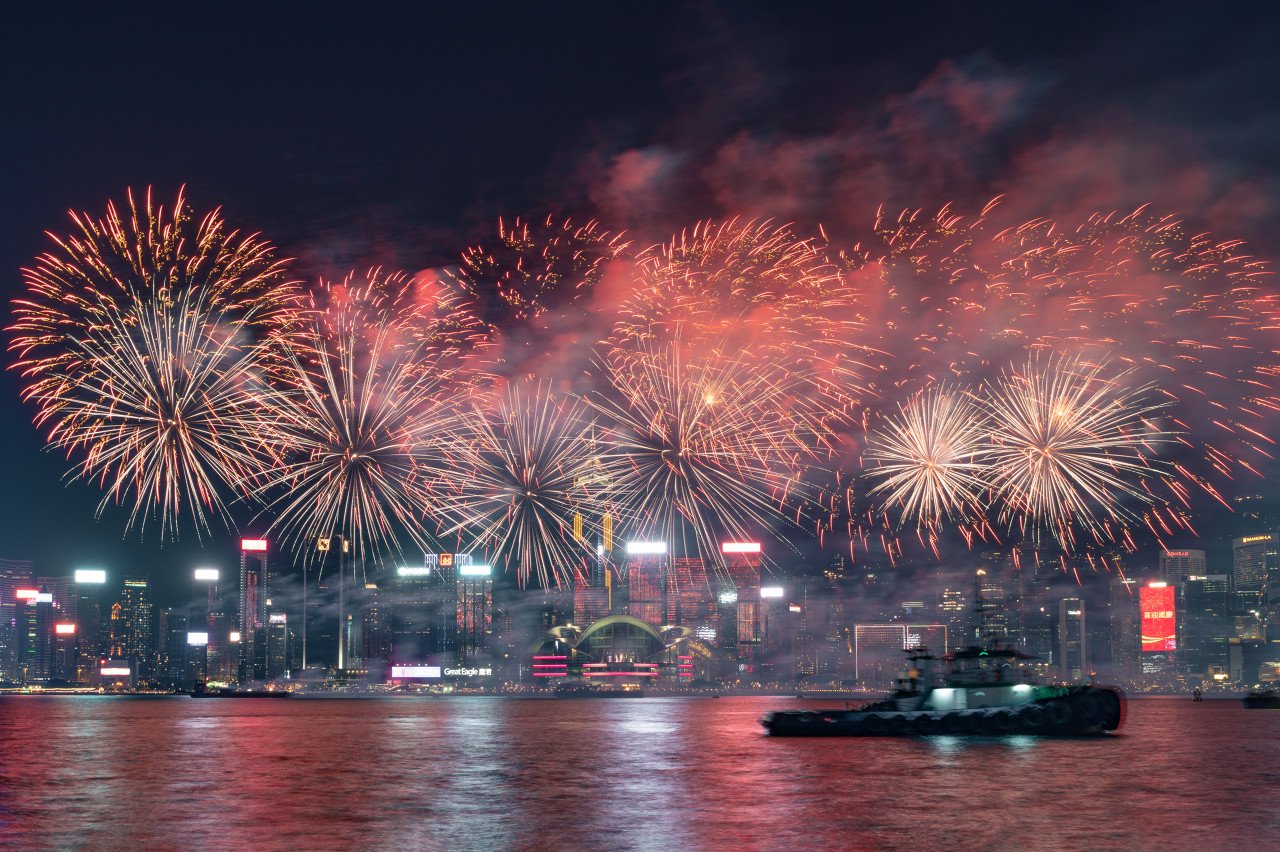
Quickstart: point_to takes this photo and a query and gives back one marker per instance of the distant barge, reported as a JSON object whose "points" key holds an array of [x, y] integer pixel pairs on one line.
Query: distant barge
{"points": [[248, 693]]}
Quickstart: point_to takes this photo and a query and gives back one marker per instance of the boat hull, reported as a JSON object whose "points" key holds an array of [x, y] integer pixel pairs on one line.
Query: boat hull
{"points": [[1078, 711], [1261, 701]]}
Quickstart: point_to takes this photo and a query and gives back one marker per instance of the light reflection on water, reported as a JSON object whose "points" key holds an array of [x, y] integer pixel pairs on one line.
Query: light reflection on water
{"points": [[472, 772]]}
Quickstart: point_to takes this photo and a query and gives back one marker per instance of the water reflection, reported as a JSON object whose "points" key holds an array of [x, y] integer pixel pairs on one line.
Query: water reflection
{"points": [[633, 773]]}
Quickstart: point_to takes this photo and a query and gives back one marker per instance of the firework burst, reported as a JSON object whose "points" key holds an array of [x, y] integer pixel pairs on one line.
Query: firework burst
{"points": [[930, 459], [1070, 446], [702, 444], [530, 488], [359, 403], [135, 339]]}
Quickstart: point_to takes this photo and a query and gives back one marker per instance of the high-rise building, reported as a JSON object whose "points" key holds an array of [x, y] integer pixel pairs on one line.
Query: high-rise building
{"points": [[254, 584], [91, 636], [173, 638], [646, 581], [130, 628], [1207, 623], [1073, 641], [1255, 558], [1126, 640], [15, 574], [33, 615], [424, 610], [1158, 627], [374, 647], [1177, 565], [277, 644], [742, 562], [474, 602]]}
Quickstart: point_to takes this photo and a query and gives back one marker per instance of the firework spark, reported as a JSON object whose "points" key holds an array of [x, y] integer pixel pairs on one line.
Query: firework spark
{"points": [[136, 341], [534, 269]]}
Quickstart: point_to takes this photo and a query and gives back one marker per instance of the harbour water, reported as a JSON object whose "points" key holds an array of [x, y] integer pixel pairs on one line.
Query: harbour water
{"points": [[652, 773]]}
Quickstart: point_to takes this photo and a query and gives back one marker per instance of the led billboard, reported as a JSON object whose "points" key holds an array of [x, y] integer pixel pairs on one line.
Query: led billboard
{"points": [[1158, 623], [740, 547], [474, 571], [415, 671], [771, 592], [91, 575], [207, 574], [64, 629], [258, 544], [412, 571], [646, 548], [197, 638]]}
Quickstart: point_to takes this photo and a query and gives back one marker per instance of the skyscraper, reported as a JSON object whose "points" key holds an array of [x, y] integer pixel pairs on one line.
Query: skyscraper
{"points": [[1255, 558], [34, 617], [423, 617], [1073, 641], [277, 644], [130, 629], [254, 579], [646, 580], [1126, 640], [474, 615], [14, 574], [742, 562], [90, 625], [1177, 565], [1207, 623]]}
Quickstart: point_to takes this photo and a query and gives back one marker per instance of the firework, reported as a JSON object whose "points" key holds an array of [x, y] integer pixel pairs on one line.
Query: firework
{"points": [[135, 339], [702, 444], [359, 401], [530, 485], [931, 458], [1069, 446], [534, 269]]}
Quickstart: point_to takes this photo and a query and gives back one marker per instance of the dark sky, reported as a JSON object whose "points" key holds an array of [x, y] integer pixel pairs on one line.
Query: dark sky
{"points": [[351, 138]]}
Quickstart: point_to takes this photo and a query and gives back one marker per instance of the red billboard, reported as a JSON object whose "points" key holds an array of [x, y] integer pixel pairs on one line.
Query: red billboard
{"points": [[1158, 631]]}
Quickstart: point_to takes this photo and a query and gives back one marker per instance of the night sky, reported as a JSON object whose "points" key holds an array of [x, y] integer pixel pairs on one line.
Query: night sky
{"points": [[352, 138]]}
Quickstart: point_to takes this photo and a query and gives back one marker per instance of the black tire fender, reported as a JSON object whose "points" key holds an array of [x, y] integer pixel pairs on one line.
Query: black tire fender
{"points": [[1058, 713]]}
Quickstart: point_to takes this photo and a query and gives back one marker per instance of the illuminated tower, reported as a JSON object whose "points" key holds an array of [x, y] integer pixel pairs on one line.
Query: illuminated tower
{"points": [[253, 608], [474, 602]]}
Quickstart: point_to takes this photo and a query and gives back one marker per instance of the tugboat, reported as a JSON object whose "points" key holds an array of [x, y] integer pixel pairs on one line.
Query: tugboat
{"points": [[977, 697], [986, 692]]}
